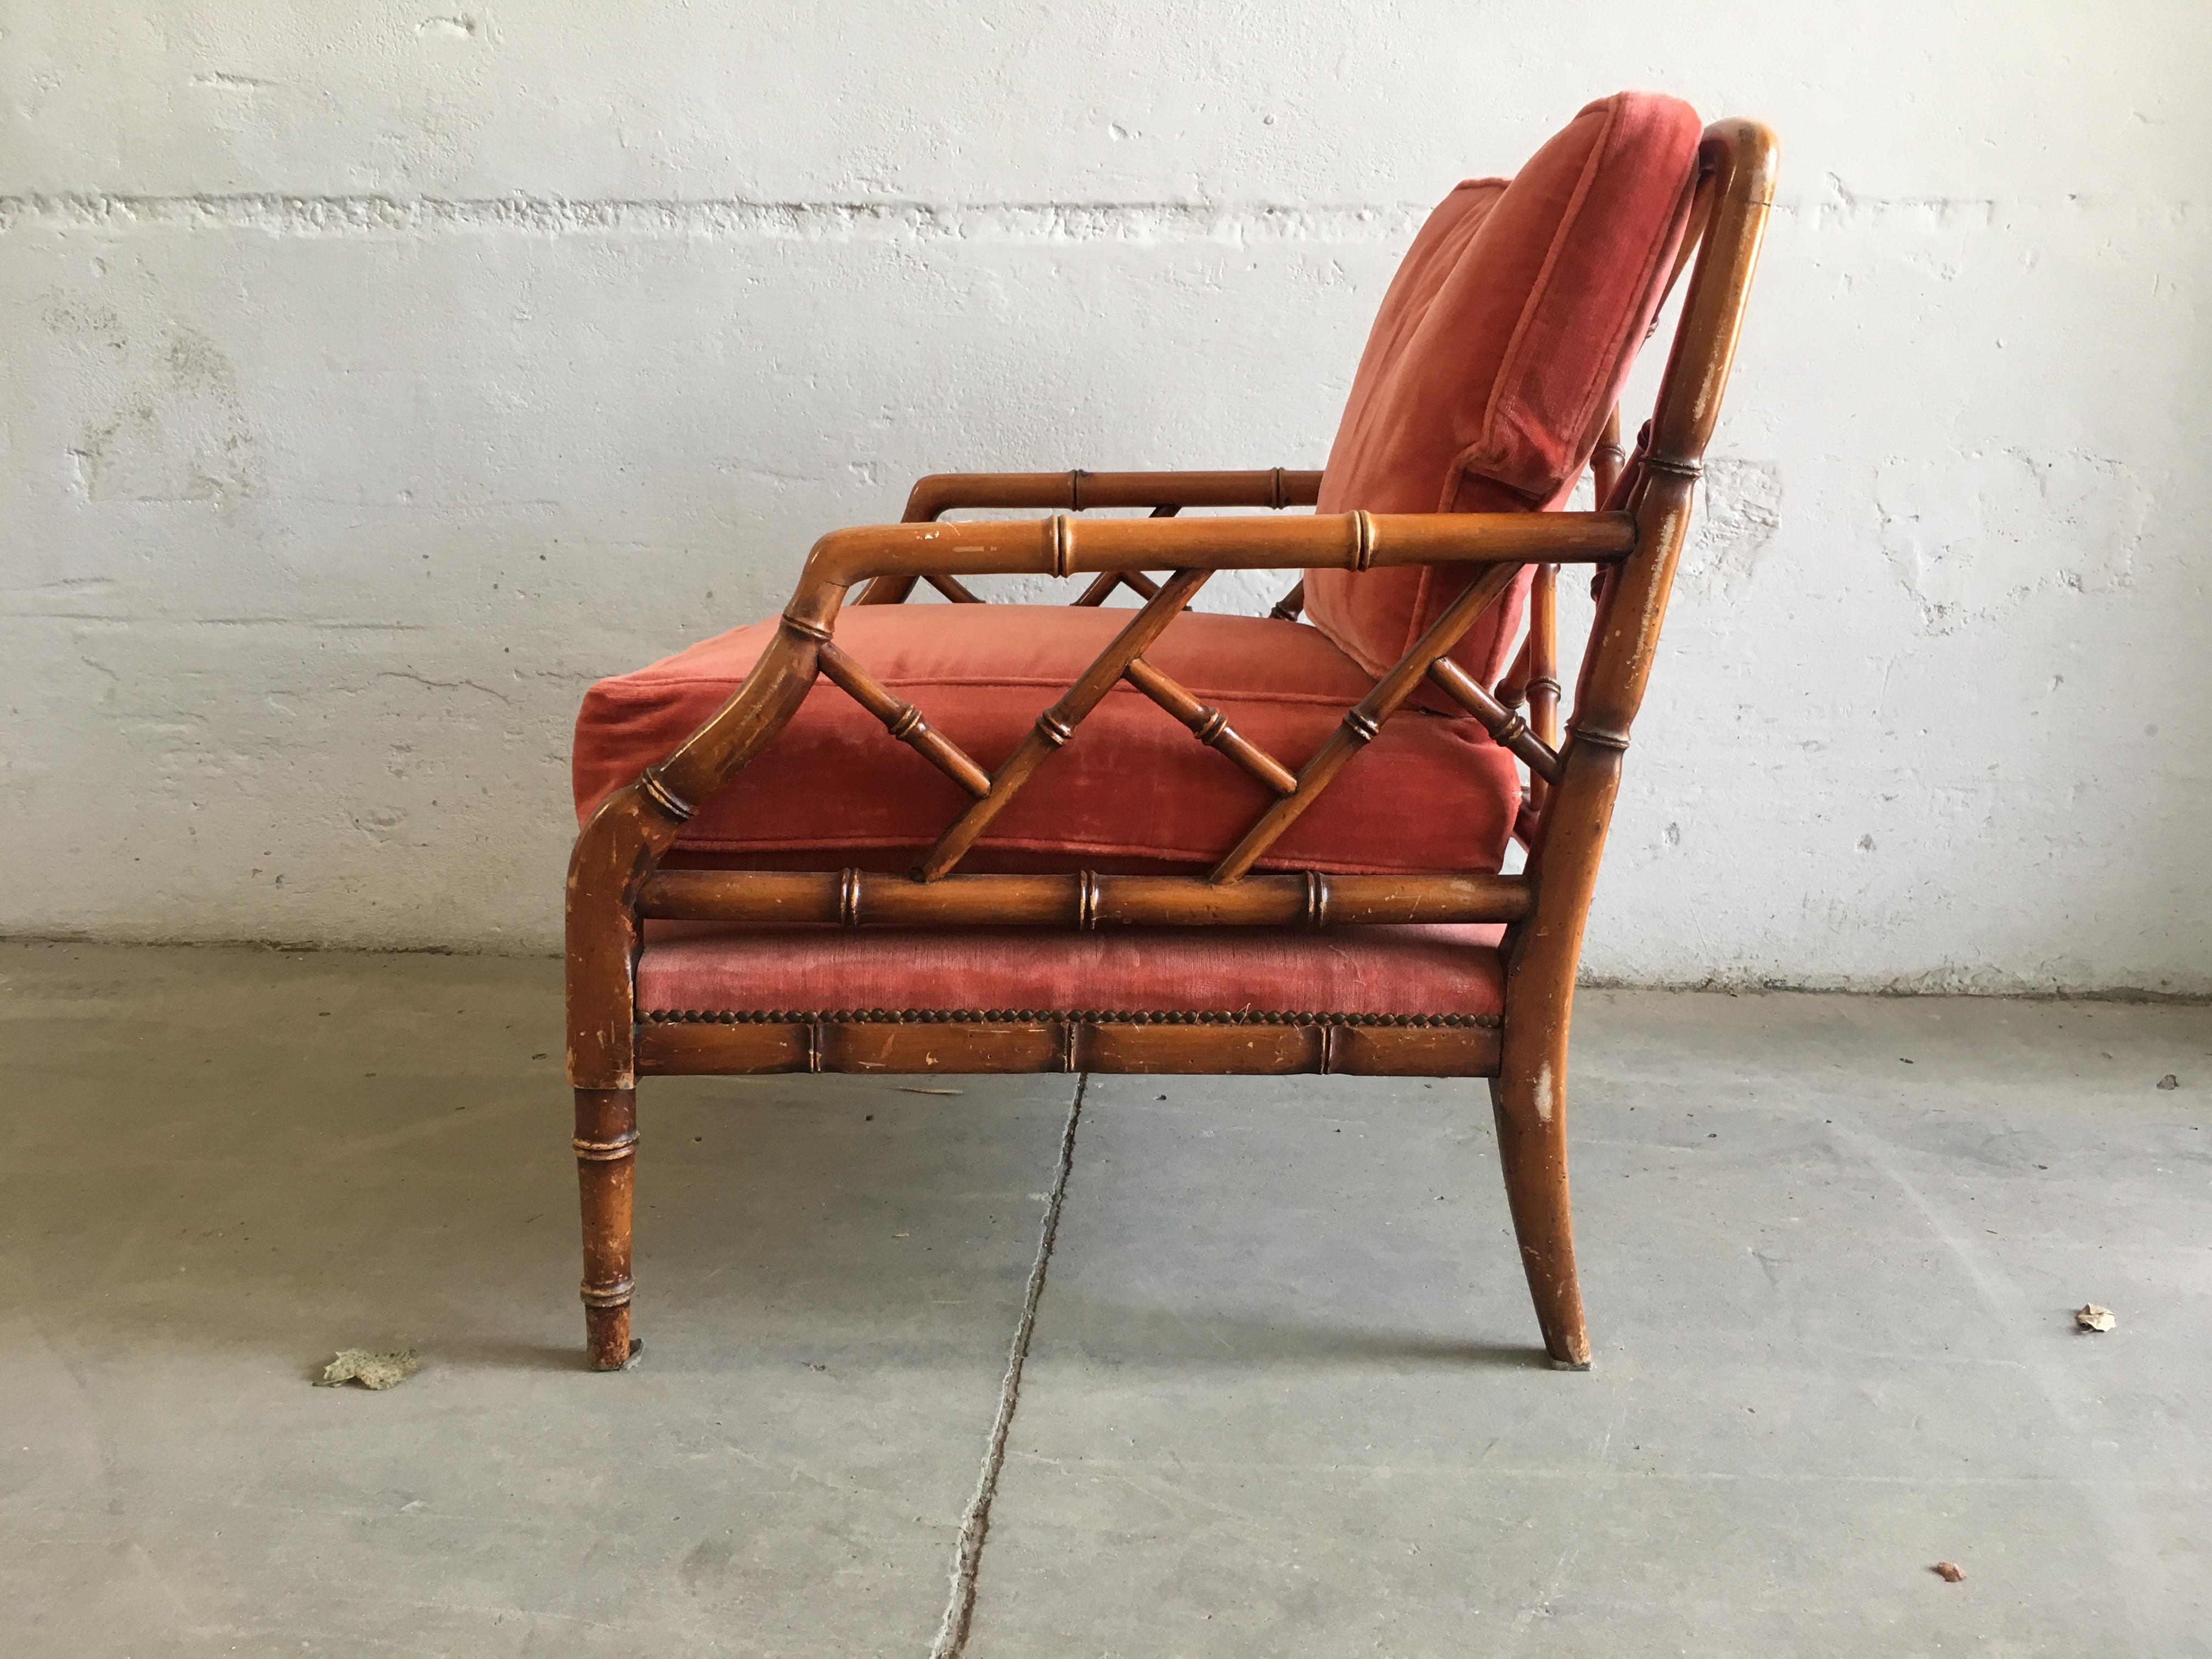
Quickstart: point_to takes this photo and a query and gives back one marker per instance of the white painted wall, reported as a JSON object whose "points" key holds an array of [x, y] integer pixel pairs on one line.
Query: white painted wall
{"points": [[376, 378]]}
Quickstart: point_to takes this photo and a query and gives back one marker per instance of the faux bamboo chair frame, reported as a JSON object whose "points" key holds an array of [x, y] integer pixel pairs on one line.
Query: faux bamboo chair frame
{"points": [[1633, 541]]}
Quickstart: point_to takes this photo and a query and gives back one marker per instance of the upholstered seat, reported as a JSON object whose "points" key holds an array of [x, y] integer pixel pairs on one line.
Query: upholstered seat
{"points": [[1130, 790]]}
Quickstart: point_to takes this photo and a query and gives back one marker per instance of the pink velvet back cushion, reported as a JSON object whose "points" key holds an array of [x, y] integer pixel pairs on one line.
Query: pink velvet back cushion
{"points": [[1503, 340]]}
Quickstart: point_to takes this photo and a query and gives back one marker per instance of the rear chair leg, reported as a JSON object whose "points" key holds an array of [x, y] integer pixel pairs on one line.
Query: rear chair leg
{"points": [[607, 1155], [1534, 1151]]}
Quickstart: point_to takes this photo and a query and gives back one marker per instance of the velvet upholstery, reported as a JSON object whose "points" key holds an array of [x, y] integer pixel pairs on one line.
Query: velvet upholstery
{"points": [[1505, 340], [1410, 970], [1132, 790]]}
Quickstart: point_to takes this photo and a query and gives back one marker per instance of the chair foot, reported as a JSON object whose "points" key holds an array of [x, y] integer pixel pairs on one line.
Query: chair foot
{"points": [[607, 1340], [606, 1156], [1533, 1153]]}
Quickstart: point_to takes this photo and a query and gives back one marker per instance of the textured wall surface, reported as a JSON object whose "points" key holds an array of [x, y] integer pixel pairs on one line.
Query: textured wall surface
{"points": [[379, 375]]}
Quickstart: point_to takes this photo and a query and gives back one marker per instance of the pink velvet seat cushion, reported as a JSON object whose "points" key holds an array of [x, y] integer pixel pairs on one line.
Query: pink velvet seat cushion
{"points": [[1505, 340], [1411, 969], [1132, 791]]}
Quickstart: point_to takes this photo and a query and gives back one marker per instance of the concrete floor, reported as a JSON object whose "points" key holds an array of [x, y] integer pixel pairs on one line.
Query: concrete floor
{"points": [[1280, 1394]]}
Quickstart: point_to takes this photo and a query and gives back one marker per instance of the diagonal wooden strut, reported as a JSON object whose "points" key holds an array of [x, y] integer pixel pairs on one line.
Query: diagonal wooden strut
{"points": [[903, 721], [953, 589], [1365, 719], [1508, 727], [1057, 724], [1210, 726]]}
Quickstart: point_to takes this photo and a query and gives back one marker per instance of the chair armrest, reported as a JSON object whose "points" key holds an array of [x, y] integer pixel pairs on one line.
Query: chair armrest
{"points": [[1060, 546], [1077, 490]]}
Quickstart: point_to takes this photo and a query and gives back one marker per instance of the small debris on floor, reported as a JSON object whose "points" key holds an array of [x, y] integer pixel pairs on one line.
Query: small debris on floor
{"points": [[916, 1089], [1949, 1571], [2090, 1317], [369, 1368], [2169, 1081]]}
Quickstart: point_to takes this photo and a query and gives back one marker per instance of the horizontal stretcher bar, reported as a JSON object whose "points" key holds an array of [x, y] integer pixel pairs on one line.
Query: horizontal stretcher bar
{"points": [[859, 898], [704, 1044]]}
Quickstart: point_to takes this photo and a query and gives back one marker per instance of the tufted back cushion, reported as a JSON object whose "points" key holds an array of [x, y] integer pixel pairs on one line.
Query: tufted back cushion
{"points": [[1503, 340]]}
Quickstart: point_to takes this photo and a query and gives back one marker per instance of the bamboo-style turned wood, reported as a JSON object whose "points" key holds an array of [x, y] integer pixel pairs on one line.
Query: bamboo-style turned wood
{"points": [[1078, 491], [1014, 1040], [1287, 608], [1210, 726], [1543, 684], [1102, 589], [1347, 541], [903, 721], [1057, 724], [860, 898], [1634, 540], [1363, 719], [1507, 726], [1606, 459]]}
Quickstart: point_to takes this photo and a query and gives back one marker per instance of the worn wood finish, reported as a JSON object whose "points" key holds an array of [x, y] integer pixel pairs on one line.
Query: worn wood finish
{"points": [[1634, 543], [692, 1043], [606, 1147], [860, 898]]}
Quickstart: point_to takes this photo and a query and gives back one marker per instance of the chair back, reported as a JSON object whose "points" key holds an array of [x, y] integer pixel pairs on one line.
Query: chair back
{"points": [[1501, 346]]}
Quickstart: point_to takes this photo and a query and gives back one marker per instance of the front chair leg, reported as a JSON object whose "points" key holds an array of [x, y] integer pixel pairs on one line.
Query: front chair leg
{"points": [[606, 1156], [1533, 1148]]}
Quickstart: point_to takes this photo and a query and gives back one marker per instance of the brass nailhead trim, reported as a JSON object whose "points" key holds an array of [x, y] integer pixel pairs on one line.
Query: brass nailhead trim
{"points": [[667, 799], [816, 1019], [616, 1295], [605, 1151]]}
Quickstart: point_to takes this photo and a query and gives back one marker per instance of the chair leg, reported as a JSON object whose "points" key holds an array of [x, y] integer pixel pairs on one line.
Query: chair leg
{"points": [[1533, 1151], [606, 1155]]}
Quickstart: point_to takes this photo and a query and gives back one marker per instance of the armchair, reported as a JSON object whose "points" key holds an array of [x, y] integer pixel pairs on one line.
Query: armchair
{"points": [[875, 836]]}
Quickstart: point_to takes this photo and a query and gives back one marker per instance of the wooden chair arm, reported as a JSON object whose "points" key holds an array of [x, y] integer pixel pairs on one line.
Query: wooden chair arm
{"points": [[1060, 545], [1077, 490]]}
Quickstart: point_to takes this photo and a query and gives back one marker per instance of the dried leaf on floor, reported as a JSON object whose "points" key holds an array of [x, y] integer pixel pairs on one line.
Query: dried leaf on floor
{"points": [[2169, 1081], [2090, 1317], [370, 1368], [1949, 1571]]}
